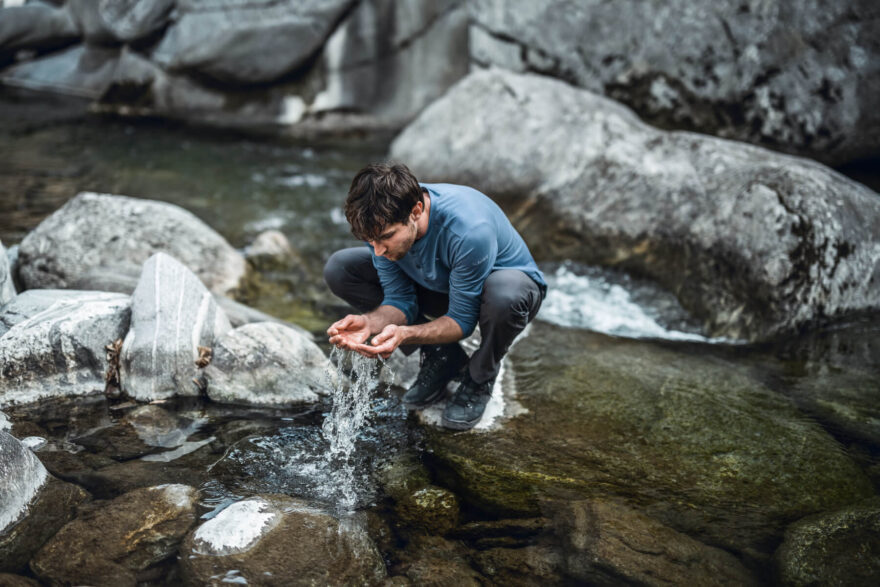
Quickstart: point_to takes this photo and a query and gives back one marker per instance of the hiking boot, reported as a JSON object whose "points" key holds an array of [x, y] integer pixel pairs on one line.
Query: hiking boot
{"points": [[466, 407], [439, 365]]}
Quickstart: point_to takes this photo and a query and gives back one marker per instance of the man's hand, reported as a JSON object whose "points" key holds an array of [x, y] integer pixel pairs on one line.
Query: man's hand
{"points": [[350, 332], [384, 343]]}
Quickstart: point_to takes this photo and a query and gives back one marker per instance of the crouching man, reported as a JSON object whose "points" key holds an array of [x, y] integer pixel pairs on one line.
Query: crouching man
{"points": [[438, 251]]}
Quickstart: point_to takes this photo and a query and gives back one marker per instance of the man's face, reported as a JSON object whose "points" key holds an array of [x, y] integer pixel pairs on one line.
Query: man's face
{"points": [[395, 240]]}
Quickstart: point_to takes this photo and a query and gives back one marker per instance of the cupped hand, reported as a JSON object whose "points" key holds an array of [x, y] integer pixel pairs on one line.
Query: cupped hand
{"points": [[384, 343], [349, 332]]}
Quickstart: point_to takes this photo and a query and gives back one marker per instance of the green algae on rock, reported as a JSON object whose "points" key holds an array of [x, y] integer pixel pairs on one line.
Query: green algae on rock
{"points": [[692, 441]]}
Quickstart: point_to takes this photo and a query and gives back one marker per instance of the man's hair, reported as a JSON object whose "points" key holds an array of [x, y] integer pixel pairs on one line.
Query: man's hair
{"points": [[380, 194]]}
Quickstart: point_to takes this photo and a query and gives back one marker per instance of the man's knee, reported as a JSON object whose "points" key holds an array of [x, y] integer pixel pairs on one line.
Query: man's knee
{"points": [[510, 293]]}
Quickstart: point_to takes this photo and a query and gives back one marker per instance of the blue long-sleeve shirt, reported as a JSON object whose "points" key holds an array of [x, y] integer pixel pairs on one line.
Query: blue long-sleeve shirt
{"points": [[468, 238]]}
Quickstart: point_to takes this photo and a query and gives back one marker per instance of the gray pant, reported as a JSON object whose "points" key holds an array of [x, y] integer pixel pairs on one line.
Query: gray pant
{"points": [[510, 301]]}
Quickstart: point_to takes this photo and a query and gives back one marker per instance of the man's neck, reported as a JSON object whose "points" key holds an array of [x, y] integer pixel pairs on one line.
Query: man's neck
{"points": [[425, 218]]}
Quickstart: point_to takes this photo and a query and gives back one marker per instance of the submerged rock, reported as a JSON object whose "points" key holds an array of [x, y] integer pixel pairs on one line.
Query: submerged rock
{"points": [[115, 544], [59, 351], [417, 503], [245, 43], [172, 316], [267, 364], [7, 287], [751, 242], [279, 540], [95, 230], [841, 547], [783, 74], [694, 442], [432, 560]]}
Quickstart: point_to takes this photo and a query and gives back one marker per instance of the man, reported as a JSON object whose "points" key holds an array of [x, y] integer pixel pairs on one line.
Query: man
{"points": [[435, 250]]}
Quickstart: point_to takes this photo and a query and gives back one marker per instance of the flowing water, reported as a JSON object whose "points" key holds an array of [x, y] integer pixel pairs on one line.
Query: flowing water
{"points": [[601, 336]]}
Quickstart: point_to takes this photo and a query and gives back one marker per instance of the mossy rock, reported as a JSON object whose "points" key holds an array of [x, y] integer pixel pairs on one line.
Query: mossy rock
{"points": [[693, 441]]}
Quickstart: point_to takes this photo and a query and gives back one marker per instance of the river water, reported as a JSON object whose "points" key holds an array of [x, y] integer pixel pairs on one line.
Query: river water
{"points": [[242, 186]]}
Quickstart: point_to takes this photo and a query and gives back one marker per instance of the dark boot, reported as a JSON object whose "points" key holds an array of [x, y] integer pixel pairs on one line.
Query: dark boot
{"points": [[439, 365], [466, 407]]}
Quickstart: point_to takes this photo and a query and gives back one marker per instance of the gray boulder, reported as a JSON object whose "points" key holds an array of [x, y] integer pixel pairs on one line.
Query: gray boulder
{"points": [[60, 351], [33, 301], [753, 243], [7, 287], [37, 27], [391, 59], [22, 477], [785, 74], [102, 230], [84, 70], [267, 364], [119, 21], [172, 315], [840, 547], [279, 540], [249, 42], [117, 543]]}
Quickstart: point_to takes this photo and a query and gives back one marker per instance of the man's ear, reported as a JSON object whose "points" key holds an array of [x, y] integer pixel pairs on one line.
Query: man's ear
{"points": [[417, 210]]}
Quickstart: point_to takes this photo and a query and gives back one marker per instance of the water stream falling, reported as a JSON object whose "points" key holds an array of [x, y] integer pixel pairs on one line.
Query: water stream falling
{"points": [[357, 378]]}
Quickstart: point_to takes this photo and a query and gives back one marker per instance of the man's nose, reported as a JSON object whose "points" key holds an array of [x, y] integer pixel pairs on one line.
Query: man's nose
{"points": [[379, 249]]}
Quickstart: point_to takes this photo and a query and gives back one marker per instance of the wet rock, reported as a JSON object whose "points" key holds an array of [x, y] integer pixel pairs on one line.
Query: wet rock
{"points": [[431, 560], [172, 316], [269, 38], [22, 478], [33, 301], [119, 21], [391, 59], [114, 480], [752, 243], [275, 539], [529, 565], [116, 543], [83, 70], [267, 364], [37, 27], [7, 580], [60, 351], [7, 287], [94, 230], [606, 543], [840, 547], [418, 503], [783, 74], [510, 532], [679, 437]]}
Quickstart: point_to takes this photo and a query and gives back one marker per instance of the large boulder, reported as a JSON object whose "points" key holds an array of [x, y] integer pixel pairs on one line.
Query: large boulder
{"points": [[119, 21], [83, 70], [33, 301], [37, 27], [392, 59], [102, 230], [256, 41], [840, 547], [34, 504], [752, 242], [279, 540], [7, 287], [789, 74], [172, 315], [679, 437], [60, 350], [267, 364], [117, 543]]}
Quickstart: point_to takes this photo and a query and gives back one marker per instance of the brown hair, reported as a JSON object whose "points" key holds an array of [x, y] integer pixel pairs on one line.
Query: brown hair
{"points": [[380, 194]]}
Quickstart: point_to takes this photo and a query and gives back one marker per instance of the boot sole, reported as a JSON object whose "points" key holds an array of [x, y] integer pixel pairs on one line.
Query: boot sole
{"points": [[455, 425]]}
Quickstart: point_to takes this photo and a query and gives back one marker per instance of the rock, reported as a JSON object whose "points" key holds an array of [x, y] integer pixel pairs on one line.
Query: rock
{"points": [[783, 74], [240, 314], [840, 547], [529, 565], [114, 544], [267, 364], [272, 251], [119, 21], [83, 70], [7, 287], [34, 505], [60, 351], [12, 259], [7, 580], [606, 543], [391, 59], [637, 422], [431, 560], [752, 243], [120, 278], [121, 233], [172, 316], [33, 301], [418, 503], [257, 41], [37, 27], [279, 540]]}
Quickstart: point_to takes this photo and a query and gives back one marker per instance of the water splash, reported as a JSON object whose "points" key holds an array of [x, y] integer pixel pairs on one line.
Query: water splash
{"points": [[350, 412]]}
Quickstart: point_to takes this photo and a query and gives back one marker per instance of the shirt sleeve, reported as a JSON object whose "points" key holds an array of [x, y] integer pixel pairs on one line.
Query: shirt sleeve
{"points": [[397, 287], [471, 263]]}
